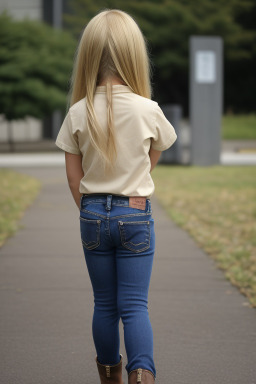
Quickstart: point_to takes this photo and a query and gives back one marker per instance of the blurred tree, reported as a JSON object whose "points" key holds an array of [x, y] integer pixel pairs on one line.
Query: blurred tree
{"points": [[35, 66], [167, 25], [240, 77]]}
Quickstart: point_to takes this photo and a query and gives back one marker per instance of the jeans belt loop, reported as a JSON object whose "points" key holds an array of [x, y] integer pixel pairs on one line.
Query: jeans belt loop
{"points": [[109, 201]]}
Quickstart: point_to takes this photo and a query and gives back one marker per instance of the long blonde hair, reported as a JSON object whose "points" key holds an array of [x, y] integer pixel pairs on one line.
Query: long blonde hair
{"points": [[112, 44]]}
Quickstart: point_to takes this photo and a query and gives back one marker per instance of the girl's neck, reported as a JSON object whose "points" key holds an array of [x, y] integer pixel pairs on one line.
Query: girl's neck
{"points": [[113, 80]]}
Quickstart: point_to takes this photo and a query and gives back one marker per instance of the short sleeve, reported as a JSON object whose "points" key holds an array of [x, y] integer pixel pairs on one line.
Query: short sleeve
{"points": [[66, 139], [165, 134]]}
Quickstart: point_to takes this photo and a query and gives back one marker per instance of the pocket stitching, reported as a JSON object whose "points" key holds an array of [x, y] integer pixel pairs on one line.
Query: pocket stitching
{"points": [[122, 235], [97, 243]]}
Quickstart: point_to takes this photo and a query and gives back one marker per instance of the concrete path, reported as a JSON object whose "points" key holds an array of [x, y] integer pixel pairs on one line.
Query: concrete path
{"points": [[233, 152], [55, 159], [204, 329]]}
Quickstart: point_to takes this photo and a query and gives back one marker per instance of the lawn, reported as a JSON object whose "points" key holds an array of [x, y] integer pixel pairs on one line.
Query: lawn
{"points": [[237, 127], [17, 192], [217, 206]]}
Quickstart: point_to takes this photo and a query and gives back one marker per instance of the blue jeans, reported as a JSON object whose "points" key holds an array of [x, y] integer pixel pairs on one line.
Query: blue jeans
{"points": [[119, 243]]}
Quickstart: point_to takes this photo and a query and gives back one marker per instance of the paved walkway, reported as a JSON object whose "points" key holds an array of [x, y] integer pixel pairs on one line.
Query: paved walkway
{"points": [[233, 152], [52, 159], [204, 329]]}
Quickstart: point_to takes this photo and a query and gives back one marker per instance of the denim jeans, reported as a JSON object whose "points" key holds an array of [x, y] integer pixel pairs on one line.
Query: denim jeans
{"points": [[119, 243]]}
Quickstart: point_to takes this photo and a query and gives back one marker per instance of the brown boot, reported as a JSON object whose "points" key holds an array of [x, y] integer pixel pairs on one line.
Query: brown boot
{"points": [[140, 375], [110, 374]]}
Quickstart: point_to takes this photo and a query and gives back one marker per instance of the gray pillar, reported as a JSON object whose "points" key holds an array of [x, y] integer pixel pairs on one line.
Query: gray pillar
{"points": [[57, 13], [206, 99]]}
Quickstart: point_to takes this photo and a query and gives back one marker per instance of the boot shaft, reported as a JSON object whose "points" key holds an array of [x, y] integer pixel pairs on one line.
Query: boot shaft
{"points": [[141, 376], [110, 374]]}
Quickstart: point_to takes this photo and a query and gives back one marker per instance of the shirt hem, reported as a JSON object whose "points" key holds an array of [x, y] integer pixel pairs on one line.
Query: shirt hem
{"points": [[165, 146], [66, 148]]}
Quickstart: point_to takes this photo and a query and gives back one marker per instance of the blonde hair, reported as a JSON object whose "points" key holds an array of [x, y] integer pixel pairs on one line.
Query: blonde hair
{"points": [[112, 44]]}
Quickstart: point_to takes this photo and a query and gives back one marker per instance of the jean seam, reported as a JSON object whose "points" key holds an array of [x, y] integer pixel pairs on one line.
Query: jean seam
{"points": [[131, 215], [117, 217], [94, 213]]}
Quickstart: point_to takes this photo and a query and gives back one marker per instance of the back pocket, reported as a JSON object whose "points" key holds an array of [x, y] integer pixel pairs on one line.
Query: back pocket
{"points": [[135, 235], [90, 233]]}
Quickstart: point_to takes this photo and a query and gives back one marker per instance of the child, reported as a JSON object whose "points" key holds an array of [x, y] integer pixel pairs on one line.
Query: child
{"points": [[113, 136]]}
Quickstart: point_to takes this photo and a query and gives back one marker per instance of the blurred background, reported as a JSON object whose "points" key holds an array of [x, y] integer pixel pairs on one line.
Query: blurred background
{"points": [[38, 41], [203, 56], [213, 198]]}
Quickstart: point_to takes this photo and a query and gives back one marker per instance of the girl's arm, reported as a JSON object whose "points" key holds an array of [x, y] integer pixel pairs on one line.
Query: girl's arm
{"points": [[154, 157], [75, 173]]}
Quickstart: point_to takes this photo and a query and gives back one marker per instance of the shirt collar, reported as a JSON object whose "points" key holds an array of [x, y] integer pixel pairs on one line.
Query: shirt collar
{"points": [[116, 88]]}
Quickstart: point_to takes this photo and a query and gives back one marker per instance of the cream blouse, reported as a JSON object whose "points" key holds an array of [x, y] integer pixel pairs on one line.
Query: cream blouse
{"points": [[138, 122]]}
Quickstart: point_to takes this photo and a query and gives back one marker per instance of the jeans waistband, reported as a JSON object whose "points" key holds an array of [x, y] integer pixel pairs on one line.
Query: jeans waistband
{"points": [[110, 199]]}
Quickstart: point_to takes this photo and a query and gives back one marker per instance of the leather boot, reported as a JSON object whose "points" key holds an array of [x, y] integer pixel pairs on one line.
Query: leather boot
{"points": [[142, 376], [110, 374]]}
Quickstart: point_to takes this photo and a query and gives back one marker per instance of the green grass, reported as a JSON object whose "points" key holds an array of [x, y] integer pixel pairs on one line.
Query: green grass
{"points": [[217, 206], [17, 192], [239, 127]]}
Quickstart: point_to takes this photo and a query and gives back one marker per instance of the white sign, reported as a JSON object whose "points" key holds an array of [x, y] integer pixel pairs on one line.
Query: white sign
{"points": [[205, 67]]}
